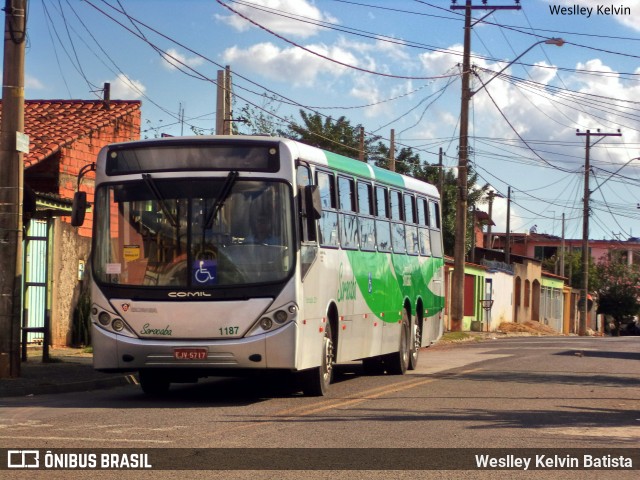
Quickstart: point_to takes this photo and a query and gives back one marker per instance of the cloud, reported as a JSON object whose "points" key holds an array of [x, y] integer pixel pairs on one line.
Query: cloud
{"points": [[291, 65], [543, 73], [174, 60], [365, 89], [499, 216], [124, 88], [277, 21], [33, 83], [438, 62]]}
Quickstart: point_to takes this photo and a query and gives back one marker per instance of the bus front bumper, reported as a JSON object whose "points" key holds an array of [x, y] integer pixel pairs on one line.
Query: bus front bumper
{"points": [[119, 353]]}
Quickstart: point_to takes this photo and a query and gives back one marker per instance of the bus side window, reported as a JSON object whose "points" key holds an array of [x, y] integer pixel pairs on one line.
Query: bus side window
{"points": [[434, 215], [436, 233], [348, 219], [383, 233], [411, 230], [423, 228], [329, 221], [397, 217], [365, 217]]}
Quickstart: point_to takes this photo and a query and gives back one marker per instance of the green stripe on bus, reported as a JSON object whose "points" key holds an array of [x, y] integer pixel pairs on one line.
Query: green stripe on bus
{"points": [[389, 177], [361, 169], [348, 165]]}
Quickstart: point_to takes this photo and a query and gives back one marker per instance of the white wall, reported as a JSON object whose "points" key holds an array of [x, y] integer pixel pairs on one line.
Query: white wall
{"points": [[502, 309]]}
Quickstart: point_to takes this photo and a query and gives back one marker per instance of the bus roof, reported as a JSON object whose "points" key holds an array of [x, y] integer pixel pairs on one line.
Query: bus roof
{"points": [[313, 155], [358, 168]]}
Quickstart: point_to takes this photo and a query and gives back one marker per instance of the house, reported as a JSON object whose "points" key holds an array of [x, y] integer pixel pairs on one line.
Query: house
{"points": [[543, 246], [64, 136]]}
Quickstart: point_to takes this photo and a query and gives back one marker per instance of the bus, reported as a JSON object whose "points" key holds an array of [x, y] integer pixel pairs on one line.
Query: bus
{"points": [[218, 255]]}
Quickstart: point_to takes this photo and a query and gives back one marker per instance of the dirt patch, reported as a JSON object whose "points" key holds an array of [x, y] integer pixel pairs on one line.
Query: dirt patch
{"points": [[532, 328]]}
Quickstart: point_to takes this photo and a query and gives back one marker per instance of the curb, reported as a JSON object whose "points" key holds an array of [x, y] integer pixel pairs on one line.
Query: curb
{"points": [[82, 386]]}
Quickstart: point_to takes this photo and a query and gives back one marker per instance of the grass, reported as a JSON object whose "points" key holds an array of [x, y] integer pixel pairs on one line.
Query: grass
{"points": [[88, 349], [456, 337], [450, 337]]}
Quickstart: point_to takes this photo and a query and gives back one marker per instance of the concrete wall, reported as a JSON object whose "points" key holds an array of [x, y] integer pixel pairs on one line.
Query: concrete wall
{"points": [[69, 249], [502, 295], [524, 307]]}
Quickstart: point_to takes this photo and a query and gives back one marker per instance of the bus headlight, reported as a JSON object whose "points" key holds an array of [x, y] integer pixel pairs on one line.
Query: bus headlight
{"points": [[110, 321], [280, 317], [274, 319], [266, 323], [117, 325], [104, 318]]}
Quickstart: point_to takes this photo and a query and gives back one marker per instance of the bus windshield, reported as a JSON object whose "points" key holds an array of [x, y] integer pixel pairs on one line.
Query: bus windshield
{"points": [[193, 233]]}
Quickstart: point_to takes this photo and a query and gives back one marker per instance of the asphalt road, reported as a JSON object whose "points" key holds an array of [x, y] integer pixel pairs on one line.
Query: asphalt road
{"points": [[549, 393]]}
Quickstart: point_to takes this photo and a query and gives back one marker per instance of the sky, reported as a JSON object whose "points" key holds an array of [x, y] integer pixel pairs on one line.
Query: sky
{"points": [[383, 65]]}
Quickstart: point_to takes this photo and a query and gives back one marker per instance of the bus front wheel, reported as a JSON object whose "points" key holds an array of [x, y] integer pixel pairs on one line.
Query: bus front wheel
{"points": [[316, 381], [154, 382]]}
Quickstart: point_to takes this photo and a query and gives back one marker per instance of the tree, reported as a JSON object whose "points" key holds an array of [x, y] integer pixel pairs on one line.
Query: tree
{"points": [[337, 136], [618, 292], [260, 120], [572, 268]]}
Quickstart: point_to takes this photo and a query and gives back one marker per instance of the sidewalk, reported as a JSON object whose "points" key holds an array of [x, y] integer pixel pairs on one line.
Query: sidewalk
{"points": [[69, 370]]}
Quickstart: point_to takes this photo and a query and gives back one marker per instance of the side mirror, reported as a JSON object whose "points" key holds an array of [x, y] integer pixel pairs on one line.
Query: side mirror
{"points": [[313, 205], [79, 209]]}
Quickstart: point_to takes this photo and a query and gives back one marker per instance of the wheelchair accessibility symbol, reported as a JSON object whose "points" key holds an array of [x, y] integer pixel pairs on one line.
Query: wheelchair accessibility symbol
{"points": [[205, 272]]}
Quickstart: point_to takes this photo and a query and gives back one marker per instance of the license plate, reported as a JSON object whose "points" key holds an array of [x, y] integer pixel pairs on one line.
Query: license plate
{"points": [[190, 354]]}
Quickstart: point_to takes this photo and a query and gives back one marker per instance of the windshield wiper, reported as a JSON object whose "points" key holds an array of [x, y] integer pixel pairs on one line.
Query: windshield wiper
{"points": [[153, 188], [222, 197]]}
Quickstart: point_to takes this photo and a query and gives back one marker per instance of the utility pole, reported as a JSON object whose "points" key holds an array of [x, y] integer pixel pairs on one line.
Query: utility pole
{"points": [[507, 247], [361, 148], [562, 251], [441, 175], [457, 288], [584, 291], [392, 151], [488, 242], [223, 102], [11, 186]]}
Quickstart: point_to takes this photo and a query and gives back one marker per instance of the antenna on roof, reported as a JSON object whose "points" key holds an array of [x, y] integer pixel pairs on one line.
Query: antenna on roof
{"points": [[107, 95]]}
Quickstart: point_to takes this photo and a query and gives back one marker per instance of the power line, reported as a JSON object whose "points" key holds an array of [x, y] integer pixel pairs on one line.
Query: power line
{"points": [[325, 57]]}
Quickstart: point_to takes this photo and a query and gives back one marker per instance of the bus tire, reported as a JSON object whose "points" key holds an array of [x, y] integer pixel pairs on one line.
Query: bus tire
{"points": [[316, 381], [154, 382], [416, 339], [397, 363]]}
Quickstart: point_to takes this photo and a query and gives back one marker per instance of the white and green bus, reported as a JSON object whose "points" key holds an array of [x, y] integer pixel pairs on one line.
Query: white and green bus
{"points": [[224, 255]]}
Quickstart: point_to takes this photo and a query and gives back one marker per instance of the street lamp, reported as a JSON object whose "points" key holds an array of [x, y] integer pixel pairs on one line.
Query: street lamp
{"points": [[558, 42], [614, 173], [457, 290]]}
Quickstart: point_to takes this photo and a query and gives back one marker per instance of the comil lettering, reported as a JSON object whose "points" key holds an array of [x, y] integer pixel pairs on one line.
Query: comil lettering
{"points": [[188, 294]]}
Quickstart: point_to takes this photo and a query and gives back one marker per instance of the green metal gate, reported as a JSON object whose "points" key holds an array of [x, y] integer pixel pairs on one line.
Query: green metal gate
{"points": [[36, 315]]}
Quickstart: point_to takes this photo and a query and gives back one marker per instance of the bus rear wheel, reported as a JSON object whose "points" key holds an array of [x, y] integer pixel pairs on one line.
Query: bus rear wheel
{"points": [[397, 362], [154, 382], [416, 341], [316, 381]]}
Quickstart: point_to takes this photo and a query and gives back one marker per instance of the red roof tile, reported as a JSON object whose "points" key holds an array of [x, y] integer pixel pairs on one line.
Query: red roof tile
{"points": [[53, 124]]}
